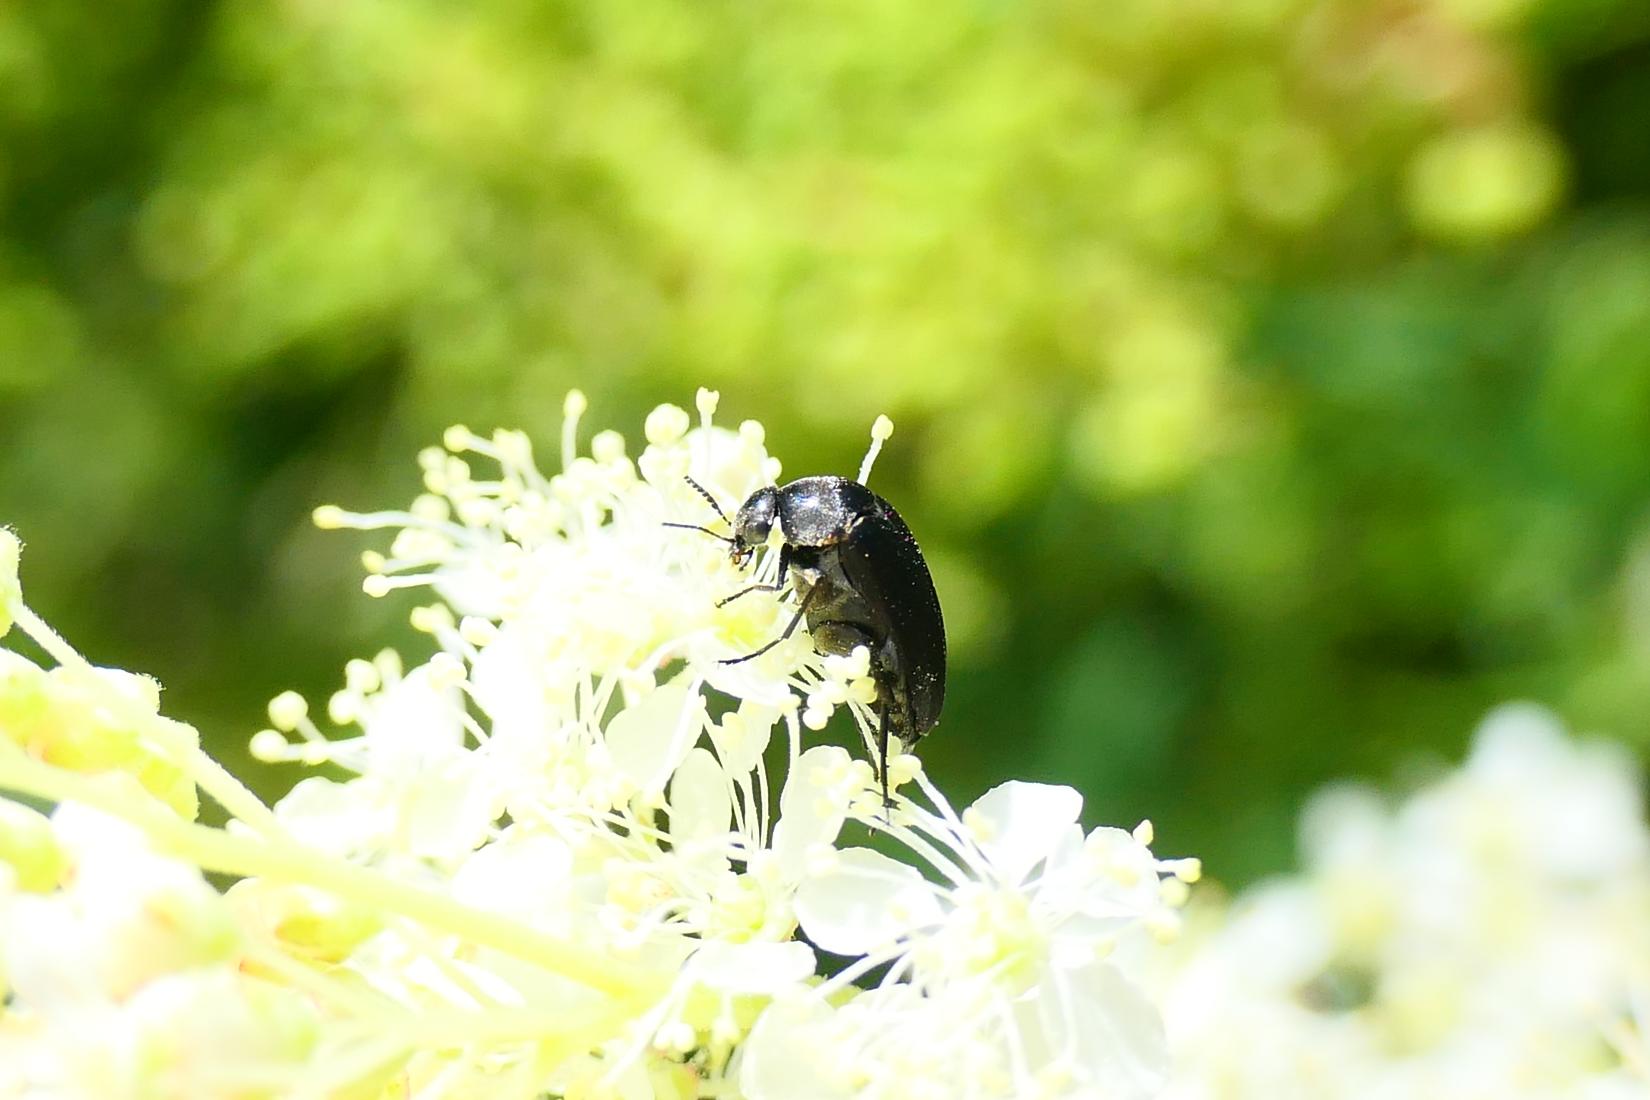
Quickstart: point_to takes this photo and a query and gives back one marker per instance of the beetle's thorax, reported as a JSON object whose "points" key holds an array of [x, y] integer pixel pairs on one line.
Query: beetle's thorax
{"points": [[822, 511]]}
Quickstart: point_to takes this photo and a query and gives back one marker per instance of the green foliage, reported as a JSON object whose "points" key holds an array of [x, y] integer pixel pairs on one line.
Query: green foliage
{"points": [[1272, 378]]}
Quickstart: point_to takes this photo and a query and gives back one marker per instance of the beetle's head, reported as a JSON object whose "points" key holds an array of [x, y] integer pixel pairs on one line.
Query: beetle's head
{"points": [[753, 523]]}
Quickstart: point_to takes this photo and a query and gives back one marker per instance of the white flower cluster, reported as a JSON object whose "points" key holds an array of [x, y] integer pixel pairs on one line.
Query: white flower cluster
{"points": [[1487, 938], [554, 859]]}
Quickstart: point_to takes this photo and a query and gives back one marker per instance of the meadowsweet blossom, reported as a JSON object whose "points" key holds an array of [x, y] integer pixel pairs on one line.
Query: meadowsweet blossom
{"points": [[567, 851], [1021, 957], [1487, 937]]}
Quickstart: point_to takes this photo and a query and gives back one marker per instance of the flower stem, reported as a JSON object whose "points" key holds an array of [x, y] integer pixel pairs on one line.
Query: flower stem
{"points": [[266, 857]]}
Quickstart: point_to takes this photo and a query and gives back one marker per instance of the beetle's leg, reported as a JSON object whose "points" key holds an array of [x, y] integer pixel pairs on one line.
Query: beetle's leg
{"points": [[840, 637], [778, 583], [749, 588], [882, 753], [796, 621]]}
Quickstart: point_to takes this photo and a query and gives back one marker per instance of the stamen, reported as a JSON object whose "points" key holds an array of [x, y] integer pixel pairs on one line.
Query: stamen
{"points": [[269, 746], [287, 710], [378, 585], [458, 438], [666, 424], [572, 408], [880, 431], [706, 401]]}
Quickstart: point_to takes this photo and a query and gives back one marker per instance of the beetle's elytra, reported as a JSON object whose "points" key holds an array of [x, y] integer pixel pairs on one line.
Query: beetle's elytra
{"points": [[859, 580]]}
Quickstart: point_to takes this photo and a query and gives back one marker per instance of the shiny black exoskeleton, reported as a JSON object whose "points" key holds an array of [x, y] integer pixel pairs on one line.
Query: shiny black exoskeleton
{"points": [[859, 580]]}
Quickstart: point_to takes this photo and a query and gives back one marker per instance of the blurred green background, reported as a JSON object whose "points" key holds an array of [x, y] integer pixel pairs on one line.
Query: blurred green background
{"points": [[1272, 378]]}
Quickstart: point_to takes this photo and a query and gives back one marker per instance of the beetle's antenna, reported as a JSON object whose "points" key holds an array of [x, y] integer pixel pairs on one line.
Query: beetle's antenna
{"points": [[696, 527], [704, 492], [880, 431]]}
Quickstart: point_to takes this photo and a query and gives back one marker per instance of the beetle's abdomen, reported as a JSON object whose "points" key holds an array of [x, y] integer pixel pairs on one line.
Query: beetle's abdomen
{"points": [[884, 565]]}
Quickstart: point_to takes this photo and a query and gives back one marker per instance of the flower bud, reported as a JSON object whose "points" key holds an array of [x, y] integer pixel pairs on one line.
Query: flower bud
{"points": [[308, 922], [29, 848]]}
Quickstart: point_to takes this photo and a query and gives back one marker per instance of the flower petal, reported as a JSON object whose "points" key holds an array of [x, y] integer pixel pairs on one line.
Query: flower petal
{"points": [[812, 806], [752, 681], [788, 1055], [646, 740], [699, 806], [743, 735], [522, 875], [333, 817], [1109, 1030], [414, 724], [508, 682], [765, 968], [1019, 824], [866, 902], [446, 812]]}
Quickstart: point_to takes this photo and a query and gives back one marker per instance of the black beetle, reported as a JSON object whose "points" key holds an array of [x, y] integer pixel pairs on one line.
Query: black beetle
{"points": [[860, 580]]}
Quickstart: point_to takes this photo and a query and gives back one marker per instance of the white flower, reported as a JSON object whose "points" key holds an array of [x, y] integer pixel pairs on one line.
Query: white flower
{"points": [[419, 791], [884, 1043], [552, 857], [1480, 939], [1019, 957], [123, 980], [123, 916]]}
